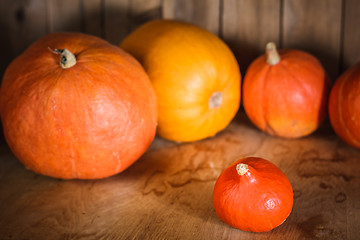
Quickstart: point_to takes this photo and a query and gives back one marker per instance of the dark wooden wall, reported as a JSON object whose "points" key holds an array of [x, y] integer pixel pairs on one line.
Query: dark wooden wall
{"points": [[329, 29]]}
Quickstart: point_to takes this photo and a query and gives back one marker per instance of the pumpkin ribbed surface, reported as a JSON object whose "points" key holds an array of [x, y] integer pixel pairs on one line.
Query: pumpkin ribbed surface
{"points": [[90, 120], [344, 106], [253, 194], [195, 76], [286, 97]]}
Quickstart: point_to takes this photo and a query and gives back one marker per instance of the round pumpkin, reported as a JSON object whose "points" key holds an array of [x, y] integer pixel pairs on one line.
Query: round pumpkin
{"points": [[195, 76], [344, 106], [285, 92], [75, 106], [253, 194]]}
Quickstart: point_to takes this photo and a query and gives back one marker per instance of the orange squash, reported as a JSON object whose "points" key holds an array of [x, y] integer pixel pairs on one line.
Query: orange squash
{"points": [[285, 93], [253, 194], [344, 106], [75, 106], [195, 76]]}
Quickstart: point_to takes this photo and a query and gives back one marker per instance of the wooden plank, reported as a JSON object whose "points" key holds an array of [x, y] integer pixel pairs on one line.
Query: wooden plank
{"points": [[204, 13], [92, 17], [116, 20], [248, 25], [353, 210], [121, 17], [315, 26], [351, 46], [167, 193], [76, 16], [21, 23], [65, 15], [141, 11]]}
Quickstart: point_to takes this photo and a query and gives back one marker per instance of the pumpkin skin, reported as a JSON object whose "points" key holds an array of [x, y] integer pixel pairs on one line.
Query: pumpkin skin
{"points": [[252, 194], [344, 106], [286, 97], [88, 121], [195, 76]]}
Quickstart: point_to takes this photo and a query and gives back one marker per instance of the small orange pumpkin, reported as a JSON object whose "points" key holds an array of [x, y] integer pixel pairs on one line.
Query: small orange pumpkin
{"points": [[84, 109], [195, 76], [285, 93], [344, 106], [253, 194]]}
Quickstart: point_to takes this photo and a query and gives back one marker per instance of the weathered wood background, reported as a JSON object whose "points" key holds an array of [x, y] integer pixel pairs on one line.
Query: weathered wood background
{"points": [[329, 29], [167, 194]]}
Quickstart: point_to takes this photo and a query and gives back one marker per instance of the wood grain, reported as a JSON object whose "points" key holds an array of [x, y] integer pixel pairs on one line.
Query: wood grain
{"points": [[248, 25], [315, 26], [351, 46], [167, 193], [142, 11], [326, 28], [65, 15], [93, 17], [116, 20], [204, 13], [21, 23]]}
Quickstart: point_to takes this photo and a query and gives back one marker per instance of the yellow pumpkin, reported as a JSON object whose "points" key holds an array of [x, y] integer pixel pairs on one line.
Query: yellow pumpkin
{"points": [[194, 74]]}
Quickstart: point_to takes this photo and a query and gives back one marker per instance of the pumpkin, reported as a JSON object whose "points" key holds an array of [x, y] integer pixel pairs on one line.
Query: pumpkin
{"points": [[344, 106], [253, 194], [285, 92], [195, 76], [75, 106]]}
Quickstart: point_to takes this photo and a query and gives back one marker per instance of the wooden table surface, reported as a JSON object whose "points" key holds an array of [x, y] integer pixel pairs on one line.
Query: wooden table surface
{"points": [[167, 193]]}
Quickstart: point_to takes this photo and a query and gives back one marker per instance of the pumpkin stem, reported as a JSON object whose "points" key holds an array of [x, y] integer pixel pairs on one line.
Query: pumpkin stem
{"points": [[272, 55], [215, 100], [67, 58], [242, 168]]}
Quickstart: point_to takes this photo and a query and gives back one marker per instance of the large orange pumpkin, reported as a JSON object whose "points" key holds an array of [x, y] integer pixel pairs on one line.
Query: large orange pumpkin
{"points": [[195, 76], [285, 93], [344, 106], [75, 106]]}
